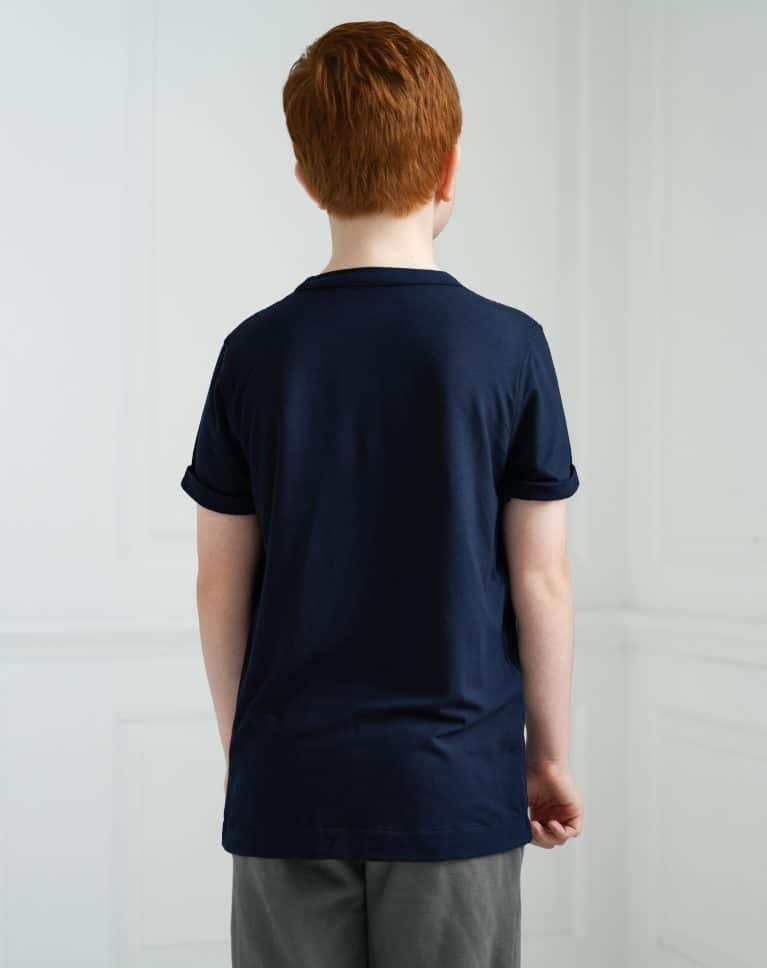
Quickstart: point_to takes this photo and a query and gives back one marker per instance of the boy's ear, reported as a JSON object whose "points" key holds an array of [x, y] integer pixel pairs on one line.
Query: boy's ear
{"points": [[452, 162], [299, 173]]}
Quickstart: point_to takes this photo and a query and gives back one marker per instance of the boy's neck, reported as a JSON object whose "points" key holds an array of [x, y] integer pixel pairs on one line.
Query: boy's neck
{"points": [[383, 240]]}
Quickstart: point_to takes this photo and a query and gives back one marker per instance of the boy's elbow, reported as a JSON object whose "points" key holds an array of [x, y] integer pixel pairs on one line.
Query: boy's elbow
{"points": [[550, 582], [210, 586]]}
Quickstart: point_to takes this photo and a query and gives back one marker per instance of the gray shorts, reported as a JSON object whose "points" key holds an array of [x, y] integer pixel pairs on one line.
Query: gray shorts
{"points": [[333, 913]]}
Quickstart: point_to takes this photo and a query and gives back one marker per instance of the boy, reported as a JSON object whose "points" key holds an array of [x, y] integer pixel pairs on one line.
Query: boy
{"points": [[381, 468]]}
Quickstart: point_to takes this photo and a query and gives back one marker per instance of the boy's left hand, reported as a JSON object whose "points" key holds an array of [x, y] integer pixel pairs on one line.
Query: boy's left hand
{"points": [[556, 808]]}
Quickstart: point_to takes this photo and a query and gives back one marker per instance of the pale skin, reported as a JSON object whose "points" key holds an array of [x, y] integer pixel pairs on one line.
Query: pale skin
{"points": [[229, 550]]}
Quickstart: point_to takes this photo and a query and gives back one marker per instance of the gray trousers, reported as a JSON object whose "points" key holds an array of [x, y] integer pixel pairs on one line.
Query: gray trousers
{"points": [[332, 913]]}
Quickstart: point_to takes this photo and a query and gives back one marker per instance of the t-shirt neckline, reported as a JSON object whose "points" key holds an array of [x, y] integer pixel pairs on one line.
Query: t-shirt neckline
{"points": [[378, 276]]}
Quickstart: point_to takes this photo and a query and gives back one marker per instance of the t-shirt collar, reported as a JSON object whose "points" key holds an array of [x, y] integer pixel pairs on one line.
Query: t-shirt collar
{"points": [[378, 276]]}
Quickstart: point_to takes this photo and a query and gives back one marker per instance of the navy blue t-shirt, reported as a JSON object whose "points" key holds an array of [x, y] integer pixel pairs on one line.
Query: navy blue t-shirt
{"points": [[376, 420]]}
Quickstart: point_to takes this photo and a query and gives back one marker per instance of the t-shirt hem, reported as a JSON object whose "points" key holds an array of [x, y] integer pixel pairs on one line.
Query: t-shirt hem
{"points": [[542, 490], [215, 500], [371, 844]]}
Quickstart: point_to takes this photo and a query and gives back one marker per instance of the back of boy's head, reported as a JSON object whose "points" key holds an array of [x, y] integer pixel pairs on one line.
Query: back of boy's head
{"points": [[372, 111]]}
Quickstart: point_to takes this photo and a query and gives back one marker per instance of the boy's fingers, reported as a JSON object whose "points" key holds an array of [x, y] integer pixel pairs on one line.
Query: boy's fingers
{"points": [[561, 831], [541, 836], [552, 834], [556, 831]]}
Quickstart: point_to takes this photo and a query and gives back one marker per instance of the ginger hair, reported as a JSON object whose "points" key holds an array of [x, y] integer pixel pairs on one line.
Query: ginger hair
{"points": [[371, 111]]}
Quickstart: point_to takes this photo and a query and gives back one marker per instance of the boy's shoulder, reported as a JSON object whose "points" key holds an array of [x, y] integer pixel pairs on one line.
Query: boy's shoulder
{"points": [[259, 322], [505, 313], [470, 307]]}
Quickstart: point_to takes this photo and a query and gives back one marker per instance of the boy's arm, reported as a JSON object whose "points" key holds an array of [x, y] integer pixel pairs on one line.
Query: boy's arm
{"points": [[541, 591], [535, 539], [229, 549]]}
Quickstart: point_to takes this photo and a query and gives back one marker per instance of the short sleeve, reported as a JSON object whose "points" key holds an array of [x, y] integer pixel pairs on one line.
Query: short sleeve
{"points": [[218, 477], [539, 462]]}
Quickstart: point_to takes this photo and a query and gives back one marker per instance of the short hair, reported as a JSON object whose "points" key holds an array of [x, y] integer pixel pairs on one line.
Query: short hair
{"points": [[371, 111]]}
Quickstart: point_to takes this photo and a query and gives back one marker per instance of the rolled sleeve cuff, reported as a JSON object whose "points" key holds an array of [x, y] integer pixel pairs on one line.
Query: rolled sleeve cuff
{"points": [[215, 500], [542, 490]]}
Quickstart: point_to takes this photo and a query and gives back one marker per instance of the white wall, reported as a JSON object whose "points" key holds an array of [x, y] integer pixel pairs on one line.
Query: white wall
{"points": [[697, 352], [612, 186]]}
